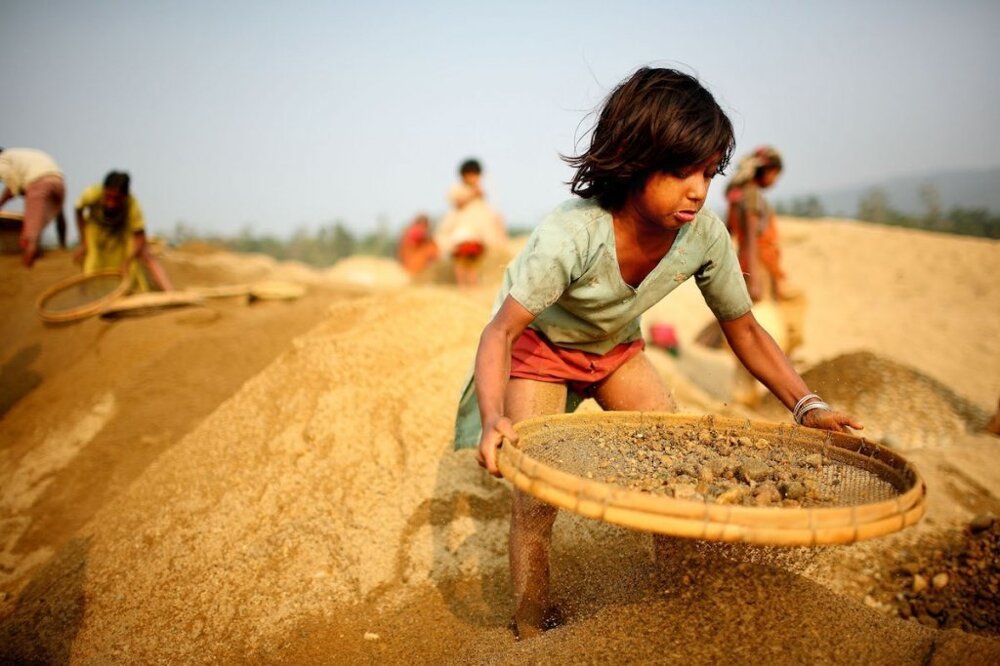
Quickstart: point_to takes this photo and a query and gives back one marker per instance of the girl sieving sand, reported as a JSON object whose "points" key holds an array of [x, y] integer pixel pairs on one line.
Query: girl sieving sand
{"points": [[566, 320]]}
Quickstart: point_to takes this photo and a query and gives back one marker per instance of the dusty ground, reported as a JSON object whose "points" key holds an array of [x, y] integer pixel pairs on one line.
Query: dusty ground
{"points": [[274, 483]]}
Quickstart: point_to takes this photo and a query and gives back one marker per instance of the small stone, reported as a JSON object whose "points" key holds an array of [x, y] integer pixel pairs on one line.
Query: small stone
{"points": [[371, 636], [752, 470], [940, 581], [981, 523], [871, 601], [684, 491], [766, 494], [731, 496], [815, 460], [792, 490], [935, 608], [927, 621], [919, 584], [744, 441]]}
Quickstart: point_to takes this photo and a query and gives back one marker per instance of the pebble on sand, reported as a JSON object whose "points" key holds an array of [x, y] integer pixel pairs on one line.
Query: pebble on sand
{"points": [[981, 523]]}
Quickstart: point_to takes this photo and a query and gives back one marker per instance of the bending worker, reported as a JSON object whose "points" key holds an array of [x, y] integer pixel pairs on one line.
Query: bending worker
{"points": [[36, 176], [113, 233]]}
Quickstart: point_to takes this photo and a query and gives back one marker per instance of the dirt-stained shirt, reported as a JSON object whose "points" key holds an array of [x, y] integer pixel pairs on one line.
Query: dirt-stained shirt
{"points": [[568, 276]]}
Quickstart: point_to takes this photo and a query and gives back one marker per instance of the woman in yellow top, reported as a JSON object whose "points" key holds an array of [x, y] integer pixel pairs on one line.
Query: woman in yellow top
{"points": [[113, 233]]}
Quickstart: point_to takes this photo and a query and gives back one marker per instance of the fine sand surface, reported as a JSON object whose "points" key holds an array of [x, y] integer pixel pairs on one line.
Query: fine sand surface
{"points": [[275, 482]]}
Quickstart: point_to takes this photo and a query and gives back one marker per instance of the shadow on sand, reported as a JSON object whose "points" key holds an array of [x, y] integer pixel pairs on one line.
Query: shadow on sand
{"points": [[49, 612]]}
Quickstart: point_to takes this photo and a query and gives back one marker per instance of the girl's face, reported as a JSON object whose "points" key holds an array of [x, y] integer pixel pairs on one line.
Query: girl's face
{"points": [[671, 200]]}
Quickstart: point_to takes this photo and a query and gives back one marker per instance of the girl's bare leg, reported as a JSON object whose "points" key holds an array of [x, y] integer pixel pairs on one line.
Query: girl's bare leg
{"points": [[635, 386], [531, 520]]}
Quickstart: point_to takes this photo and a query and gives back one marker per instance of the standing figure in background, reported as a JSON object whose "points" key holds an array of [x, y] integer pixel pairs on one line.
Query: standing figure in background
{"points": [[36, 176], [113, 233], [472, 227], [417, 249], [752, 223]]}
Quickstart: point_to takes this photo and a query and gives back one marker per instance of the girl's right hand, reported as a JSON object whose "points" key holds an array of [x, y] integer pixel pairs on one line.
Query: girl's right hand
{"points": [[494, 433], [826, 419]]}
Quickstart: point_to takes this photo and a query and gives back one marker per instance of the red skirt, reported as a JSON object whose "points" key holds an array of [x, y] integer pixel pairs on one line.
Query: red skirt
{"points": [[534, 357], [469, 250]]}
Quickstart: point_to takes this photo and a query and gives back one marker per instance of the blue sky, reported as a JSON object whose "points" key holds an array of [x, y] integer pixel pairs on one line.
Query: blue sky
{"points": [[293, 114]]}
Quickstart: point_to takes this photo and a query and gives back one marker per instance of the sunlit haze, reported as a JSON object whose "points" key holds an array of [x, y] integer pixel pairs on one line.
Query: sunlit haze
{"points": [[291, 115]]}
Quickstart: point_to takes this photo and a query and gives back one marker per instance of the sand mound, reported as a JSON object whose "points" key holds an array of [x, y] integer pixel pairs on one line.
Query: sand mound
{"points": [[898, 405], [927, 300], [207, 268], [318, 514], [368, 272], [320, 502], [86, 407], [249, 522]]}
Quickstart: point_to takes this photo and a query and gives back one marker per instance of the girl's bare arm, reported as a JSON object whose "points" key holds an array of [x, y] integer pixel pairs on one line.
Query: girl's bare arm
{"points": [[491, 375], [764, 359]]}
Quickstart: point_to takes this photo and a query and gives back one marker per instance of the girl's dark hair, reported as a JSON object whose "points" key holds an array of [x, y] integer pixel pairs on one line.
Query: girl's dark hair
{"points": [[659, 120], [118, 180]]}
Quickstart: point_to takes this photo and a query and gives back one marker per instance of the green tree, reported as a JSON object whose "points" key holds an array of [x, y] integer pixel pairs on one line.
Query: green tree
{"points": [[931, 199], [874, 207]]}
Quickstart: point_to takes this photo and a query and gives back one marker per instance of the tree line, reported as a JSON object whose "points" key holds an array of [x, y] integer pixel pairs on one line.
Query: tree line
{"points": [[874, 206], [322, 247]]}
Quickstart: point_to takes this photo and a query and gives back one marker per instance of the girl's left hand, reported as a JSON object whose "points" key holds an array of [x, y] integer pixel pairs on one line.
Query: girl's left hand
{"points": [[825, 419]]}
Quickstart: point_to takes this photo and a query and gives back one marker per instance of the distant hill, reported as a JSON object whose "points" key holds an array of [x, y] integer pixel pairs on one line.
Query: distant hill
{"points": [[971, 188]]}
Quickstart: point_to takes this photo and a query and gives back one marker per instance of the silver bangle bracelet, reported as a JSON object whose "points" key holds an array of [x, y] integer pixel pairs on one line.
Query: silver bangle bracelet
{"points": [[803, 400], [819, 404], [802, 403]]}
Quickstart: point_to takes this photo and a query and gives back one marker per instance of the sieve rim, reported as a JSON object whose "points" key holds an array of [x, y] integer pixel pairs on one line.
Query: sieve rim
{"points": [[87, 309], [699, 519]]}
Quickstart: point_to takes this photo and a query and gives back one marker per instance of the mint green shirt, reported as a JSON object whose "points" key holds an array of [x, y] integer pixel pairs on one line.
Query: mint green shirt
{"points": [[568, 277]]}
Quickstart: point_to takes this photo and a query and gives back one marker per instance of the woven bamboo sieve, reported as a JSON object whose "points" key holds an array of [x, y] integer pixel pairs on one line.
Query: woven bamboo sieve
{"points": [[88, 295], [863, 517]]}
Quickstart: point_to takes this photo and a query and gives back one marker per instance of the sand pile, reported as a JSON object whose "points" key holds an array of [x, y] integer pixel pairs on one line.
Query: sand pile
{"points": [[927, 300], [86, 407], [203, 265], [951, 584], [898, 405], [377, 272], [250, 523], [319, 516]]}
